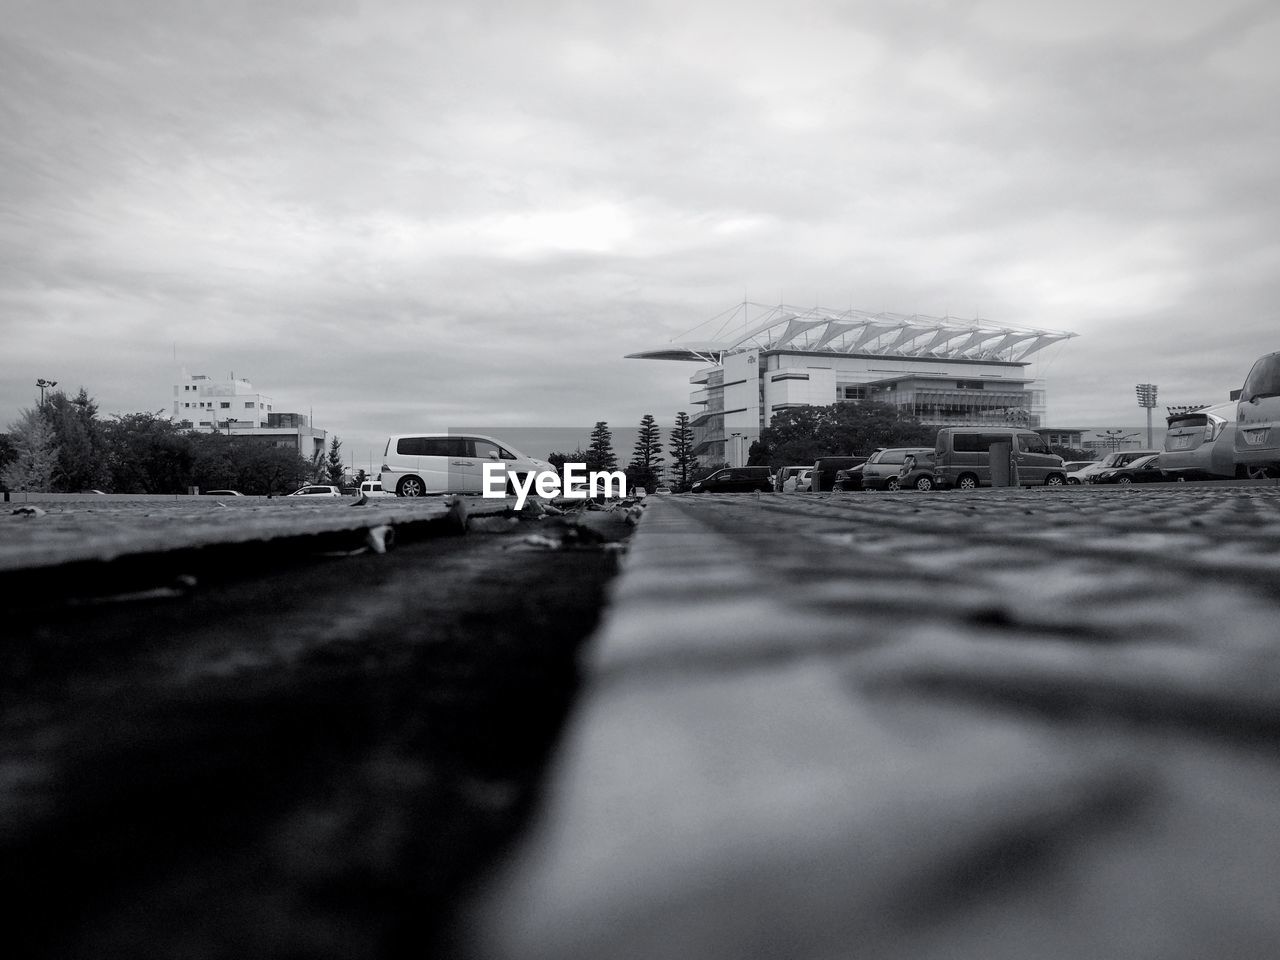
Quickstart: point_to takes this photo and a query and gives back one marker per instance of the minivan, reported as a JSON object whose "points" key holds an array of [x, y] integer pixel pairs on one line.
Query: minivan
{"points": [[372, 488], [963, 458], [415, 464], [735, 480], [1200, 444], [1257, 442]]}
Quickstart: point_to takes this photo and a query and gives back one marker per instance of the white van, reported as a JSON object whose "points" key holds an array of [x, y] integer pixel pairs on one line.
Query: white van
{"points": [[416, 464], [372, 488], [1257, 443]]}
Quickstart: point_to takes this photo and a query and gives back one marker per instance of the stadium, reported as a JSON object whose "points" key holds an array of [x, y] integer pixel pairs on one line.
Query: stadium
{"points": [[942, 370]]}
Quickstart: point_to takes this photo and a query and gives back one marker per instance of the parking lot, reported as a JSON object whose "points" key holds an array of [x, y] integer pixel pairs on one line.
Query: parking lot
{"points": [[990, 724], [983, 724]]}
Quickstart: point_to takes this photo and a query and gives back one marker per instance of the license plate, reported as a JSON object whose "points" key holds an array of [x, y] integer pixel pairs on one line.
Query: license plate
{"points": [[1255, 438], [1181, 443]]}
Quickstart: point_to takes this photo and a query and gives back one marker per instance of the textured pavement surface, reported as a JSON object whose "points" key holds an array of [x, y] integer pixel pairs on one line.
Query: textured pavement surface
{"points": [[999, 724]]}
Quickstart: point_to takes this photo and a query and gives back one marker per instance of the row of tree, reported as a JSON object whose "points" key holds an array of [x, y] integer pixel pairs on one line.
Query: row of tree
{"points": [[646, 467], [63, 446]]}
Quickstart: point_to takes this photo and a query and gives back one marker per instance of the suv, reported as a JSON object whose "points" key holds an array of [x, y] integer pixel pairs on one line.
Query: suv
{"points": [[881, 471], [1257, 442], [415, 464], [826, 468], [968, 457], [735, 480]]}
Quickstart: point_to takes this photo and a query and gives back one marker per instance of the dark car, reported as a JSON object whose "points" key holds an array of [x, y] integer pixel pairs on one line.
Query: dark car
{"points": [[882, 471], [850, 479], [826, 468], [1143, 470], [917, 473], [735, 480]]}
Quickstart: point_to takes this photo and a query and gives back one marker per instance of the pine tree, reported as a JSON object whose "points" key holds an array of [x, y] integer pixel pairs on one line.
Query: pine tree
{"points": [[334, 467], [600, 452], [36, 447], [683, 461], [646, 457]]}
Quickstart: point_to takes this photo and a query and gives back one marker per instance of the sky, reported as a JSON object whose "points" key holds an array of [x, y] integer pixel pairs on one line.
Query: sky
{"points": [[417, 215]]}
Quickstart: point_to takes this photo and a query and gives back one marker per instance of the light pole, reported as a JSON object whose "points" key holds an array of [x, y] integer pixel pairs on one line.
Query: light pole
{"points": [[737, 450], [230, 421], [44, 385], [1117, 437], [1147, 398]]}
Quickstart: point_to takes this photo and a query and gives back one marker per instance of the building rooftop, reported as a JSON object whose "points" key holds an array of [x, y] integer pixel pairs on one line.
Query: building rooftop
{"points": [[858, 332]]}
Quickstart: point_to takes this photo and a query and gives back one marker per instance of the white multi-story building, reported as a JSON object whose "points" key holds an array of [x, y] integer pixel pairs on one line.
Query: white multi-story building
{"points": [[202, 401], [232, 406], [939, 370]]}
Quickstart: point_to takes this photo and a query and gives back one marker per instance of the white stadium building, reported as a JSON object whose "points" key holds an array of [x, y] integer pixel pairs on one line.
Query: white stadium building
{"points": [[942, 370]]}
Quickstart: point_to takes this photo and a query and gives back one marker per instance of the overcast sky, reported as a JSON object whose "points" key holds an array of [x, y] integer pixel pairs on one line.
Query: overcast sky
{"points": [[420, 214]]}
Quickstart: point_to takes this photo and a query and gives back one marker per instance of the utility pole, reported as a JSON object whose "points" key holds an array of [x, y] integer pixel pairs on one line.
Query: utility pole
{"points": [[1147, 398]]}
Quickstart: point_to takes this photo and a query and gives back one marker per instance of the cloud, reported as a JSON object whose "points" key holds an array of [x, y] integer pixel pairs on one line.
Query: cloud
{"points": [[397, 213]]}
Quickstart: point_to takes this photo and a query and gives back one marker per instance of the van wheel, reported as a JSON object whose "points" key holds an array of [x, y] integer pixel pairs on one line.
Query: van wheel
{"points": [[924, 483], [410, 487], [892, 484], [967, 481], [1055, 480]]}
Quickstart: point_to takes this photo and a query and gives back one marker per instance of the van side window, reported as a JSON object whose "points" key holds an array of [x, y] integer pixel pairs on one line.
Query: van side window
{"points": [[969, 443], [432, 447], [485, 449], [1032, 443]]}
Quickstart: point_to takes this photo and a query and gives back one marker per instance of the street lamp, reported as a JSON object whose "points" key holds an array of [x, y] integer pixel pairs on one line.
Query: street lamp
{"points": [[230, 421], [737, 450], [1117, 437], [44, 385], [1147, 398]]}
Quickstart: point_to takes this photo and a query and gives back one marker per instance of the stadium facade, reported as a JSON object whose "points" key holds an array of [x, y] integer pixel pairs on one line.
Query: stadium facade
{"points": [[941, 370]]}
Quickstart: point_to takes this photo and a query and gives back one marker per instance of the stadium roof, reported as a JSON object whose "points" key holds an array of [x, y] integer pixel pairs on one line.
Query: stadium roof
{"points": [[858, 332]]}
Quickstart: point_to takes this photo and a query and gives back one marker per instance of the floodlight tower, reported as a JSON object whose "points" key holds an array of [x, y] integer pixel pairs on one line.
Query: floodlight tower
{"points": [[1147, 398], [44, 385]]}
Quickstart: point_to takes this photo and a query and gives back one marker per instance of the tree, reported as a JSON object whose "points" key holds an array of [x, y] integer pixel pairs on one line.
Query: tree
{"points": [[36, 454], [558, 459], [803, 434], [334, 469], [148, 453], [683, 462], [82, 461], [646, 457], [600, 455]]}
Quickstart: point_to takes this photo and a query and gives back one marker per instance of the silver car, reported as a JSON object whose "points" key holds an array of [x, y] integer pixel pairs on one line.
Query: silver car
{"points": [[1257, 440]]}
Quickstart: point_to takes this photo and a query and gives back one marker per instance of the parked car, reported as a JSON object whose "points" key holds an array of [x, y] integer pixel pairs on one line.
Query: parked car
{"points": [[964, 458], [784, 474], [918, 472], [1200, 444], [825, 469], [222, 493], [1116, 458], [373, 488], [799, 482], [662, 490], [421, 463], [1071, 466], [316, 490], [1143, 470], [883, 469], [1257, 438], [850, 479], [735, 480]]}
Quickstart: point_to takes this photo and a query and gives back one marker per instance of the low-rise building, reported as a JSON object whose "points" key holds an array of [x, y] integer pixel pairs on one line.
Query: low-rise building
{"points": [[232, 406]]}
